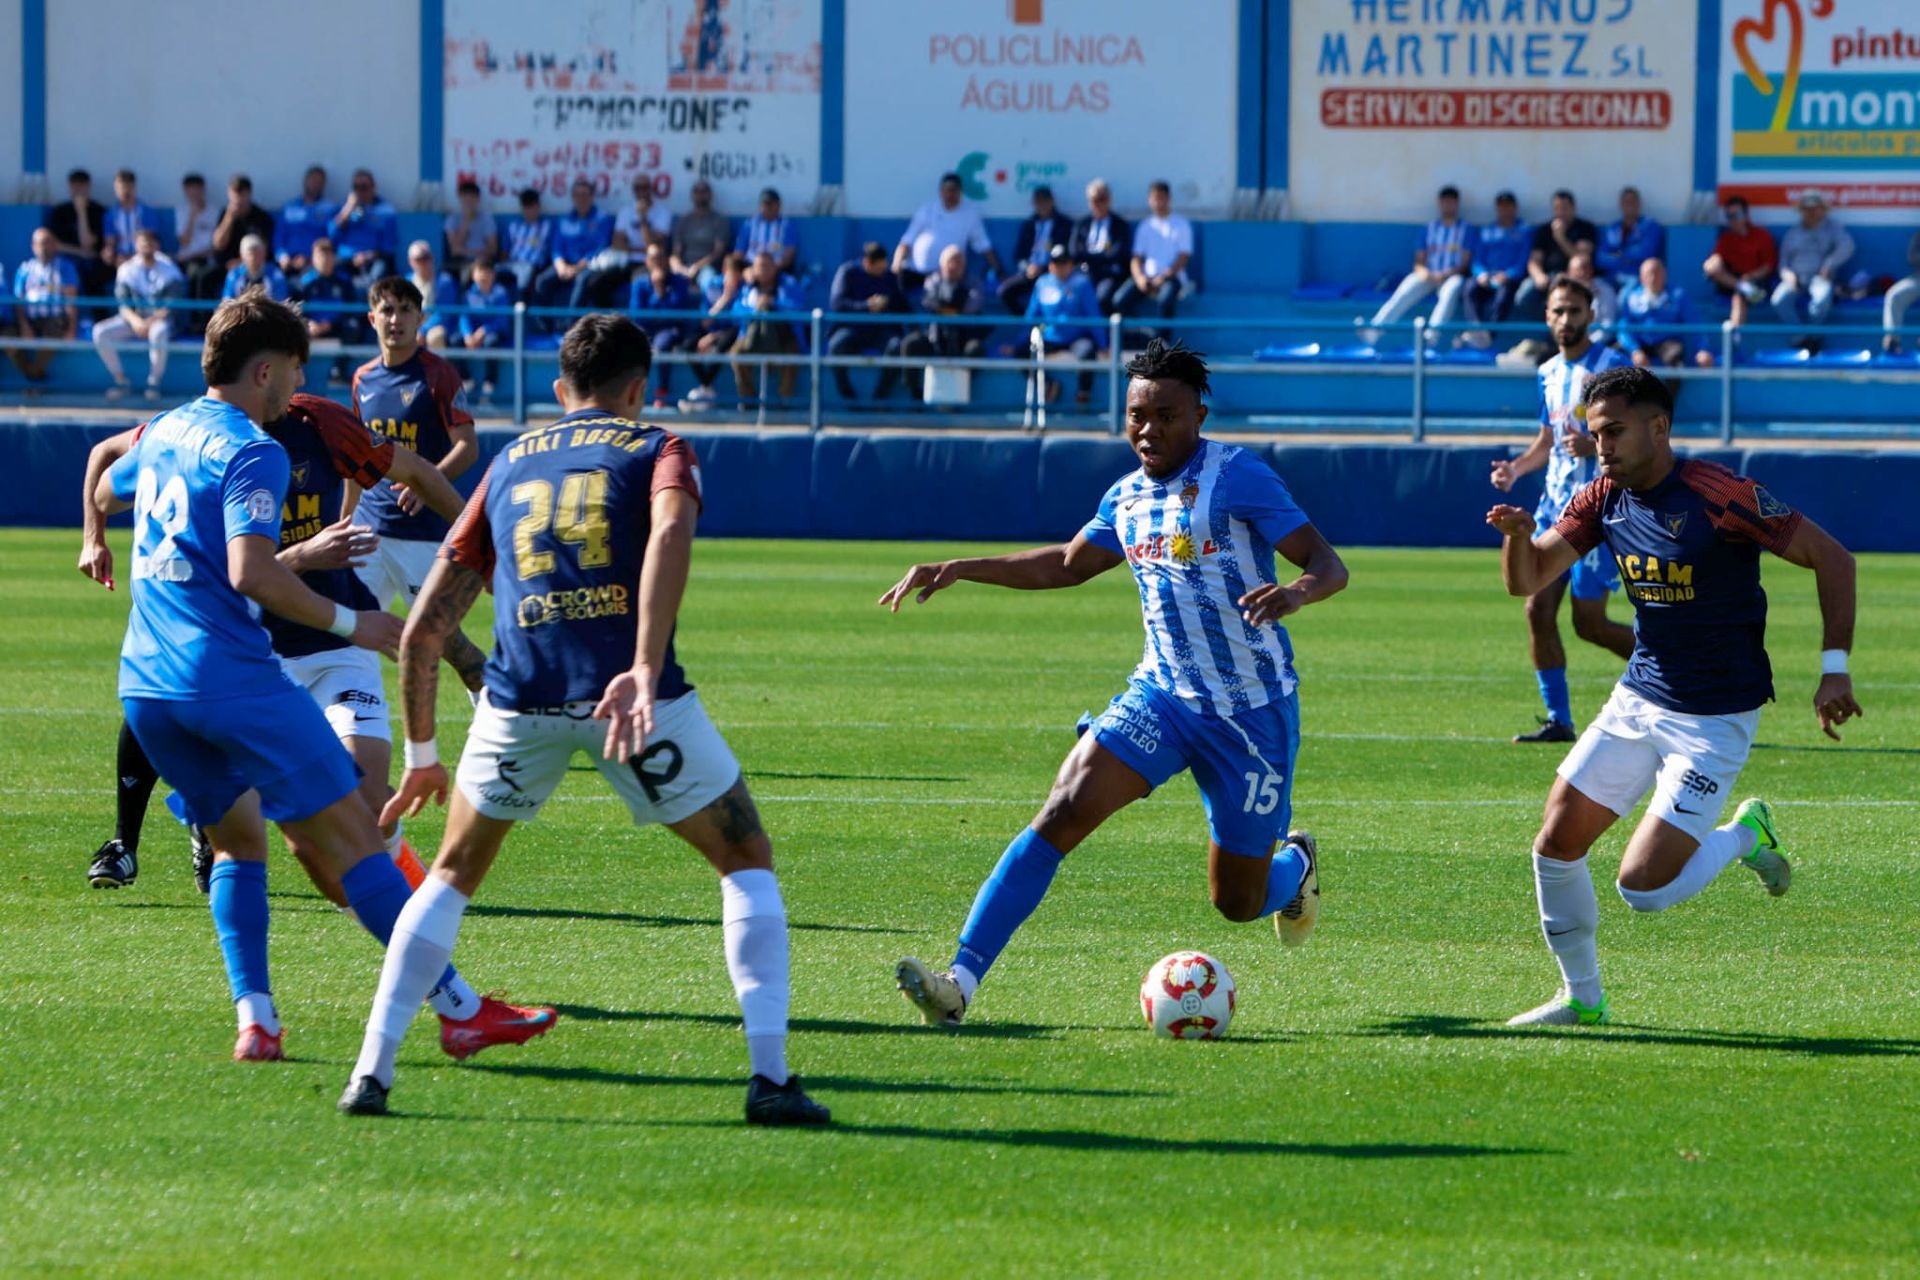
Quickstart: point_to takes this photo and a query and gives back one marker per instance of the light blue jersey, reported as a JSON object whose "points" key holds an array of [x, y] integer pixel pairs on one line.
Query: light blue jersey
{"points": [[198, 476], [1562, 384], [1196, 542]]}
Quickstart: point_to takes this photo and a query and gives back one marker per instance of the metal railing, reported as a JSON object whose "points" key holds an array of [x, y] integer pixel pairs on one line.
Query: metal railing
{"points": [[1413, 350]]}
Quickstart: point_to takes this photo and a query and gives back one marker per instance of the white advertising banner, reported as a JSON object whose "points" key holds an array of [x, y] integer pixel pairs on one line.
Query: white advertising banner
{"points": [[1016, 93], [727, 90], [1393, 99], [1822, 95]]}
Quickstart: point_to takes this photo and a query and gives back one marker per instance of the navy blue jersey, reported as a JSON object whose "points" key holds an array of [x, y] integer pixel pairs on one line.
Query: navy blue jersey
{"points": [[559, 527], [416, 404], [1689, 554], [326, 447]]}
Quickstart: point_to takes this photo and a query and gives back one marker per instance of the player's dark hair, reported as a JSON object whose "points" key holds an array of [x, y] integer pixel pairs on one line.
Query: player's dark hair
{"points": [[1571, 285], [1161, 185], [604, 350], [398, 290], [1638, 388], [250, 325], [78, 175], [873, 250], [951, 177], [1041, 189], [1564, 194], [768, 193], [1449, 192], [1175, 360], [1629, 191], [316, 168], [124, 175], [193, 180], [531, 196], [468, 187], [1737, 200], [1506, 197], [484, 260], [240, 182]]}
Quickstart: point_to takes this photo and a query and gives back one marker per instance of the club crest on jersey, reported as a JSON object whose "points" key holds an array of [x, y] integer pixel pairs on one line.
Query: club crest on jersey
{"points": [[1675, 523], [1771, 508], [408, 398], [1190, 494], [298, 472]]}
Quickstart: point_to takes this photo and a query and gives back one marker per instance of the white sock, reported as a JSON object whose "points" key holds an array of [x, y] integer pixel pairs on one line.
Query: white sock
{"points": [[255, 1009], [1722, 846], [1570, 919], [456, 1001], [423, 939], [393, 841], [754, 921], [964, 979]]}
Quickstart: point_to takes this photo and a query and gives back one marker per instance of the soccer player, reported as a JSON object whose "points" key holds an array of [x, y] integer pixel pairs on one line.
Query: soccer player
{"points": [[584, 530], [1566, 449], [1198, 524], [414, 398], [202, 690], [1688, 537]]}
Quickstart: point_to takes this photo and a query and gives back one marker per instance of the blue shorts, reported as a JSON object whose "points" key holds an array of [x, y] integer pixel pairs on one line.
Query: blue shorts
{"points": [[1594, 575], [212, 753], [1244, 764]]}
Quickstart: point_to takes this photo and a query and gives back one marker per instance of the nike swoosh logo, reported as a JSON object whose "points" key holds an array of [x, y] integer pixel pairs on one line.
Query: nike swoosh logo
{"points": [[1613, 520], [364, 719], [1691, 813], [1554, 933]]}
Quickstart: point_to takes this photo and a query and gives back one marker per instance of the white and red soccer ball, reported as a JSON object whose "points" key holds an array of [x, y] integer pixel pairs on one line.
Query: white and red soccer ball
{"points": [[1188, 996]]}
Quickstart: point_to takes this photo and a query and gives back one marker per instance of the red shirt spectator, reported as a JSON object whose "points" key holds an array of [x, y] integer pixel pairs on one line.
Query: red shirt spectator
{"points": [[1747, 249]]}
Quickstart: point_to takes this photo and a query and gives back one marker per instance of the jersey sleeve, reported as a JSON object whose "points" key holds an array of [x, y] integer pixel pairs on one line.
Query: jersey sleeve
{"points": [[469, 543], [451, 395], [355, 452], [252, 491], [1102, 530], [1257, 496], [1742, 509], [677, 467], [1579, 524], [124, 473]]}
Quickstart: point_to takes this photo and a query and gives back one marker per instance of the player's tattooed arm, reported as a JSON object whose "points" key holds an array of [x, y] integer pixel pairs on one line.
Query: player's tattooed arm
{"points": [[449, 593], [1322, 574], [467, 659]]}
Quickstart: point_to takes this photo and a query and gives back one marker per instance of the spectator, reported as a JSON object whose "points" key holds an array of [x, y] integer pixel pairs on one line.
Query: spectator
{"points": [[1625, 244], [865, 284], [1033, 250], [303, 221], [125, 219], [767, 290], [1499, 265], [636, 228], [701, 238], [145, 287], [1102, 243], [1606, 299], [471, 232], [528, 240], [479, 329], [1811, 256], [328, 301], [1554, 245], [367, 231], [46, 285], [1162, 247], [193, 234], [1442, 265], [437, 292], [240, 219], [952, 292], [1650, 313], [1901, 297], [769, 232], [79, 230], [659, 287], [717, 331], [1059, 298], [941, 224], [579, 236], [255, 271], [1743, 261]]}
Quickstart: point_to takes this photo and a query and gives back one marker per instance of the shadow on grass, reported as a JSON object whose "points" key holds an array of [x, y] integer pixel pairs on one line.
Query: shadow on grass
{"points": [[578, 767], [656, 922], [831, 1084], [1836, 749], [826, 1026], [1451, 1027], [298, 902]]}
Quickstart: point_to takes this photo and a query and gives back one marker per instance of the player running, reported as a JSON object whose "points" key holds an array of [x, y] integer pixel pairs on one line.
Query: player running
{"points": [[411, 396], [202, 690], [1687, 536], [1565, 448], [1199, 524], [584, 530]]}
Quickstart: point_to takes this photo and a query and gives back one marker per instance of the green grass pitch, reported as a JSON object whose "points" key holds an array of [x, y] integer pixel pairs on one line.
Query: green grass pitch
{"points": [[1756, 1110]]}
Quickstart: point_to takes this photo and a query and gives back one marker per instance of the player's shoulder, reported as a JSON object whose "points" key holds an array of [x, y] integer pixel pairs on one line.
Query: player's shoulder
{"points": [[368, 369], [1710, 480], [436, 369], [1611, 357]]}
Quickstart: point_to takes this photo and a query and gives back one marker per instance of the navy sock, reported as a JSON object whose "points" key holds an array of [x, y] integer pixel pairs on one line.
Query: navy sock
{"points": [[1553, 692], [377, 891], [133, 787], [1005, 901], [237, 891], [1283, 879]]}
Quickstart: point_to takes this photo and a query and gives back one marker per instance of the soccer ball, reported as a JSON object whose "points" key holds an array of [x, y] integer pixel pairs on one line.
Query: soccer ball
{"points": [[1187, 996]]}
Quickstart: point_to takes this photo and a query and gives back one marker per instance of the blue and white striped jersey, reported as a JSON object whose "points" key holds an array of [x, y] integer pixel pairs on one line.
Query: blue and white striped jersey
{"points": [[1562, 384], [1445, 243], [1196, 542]]}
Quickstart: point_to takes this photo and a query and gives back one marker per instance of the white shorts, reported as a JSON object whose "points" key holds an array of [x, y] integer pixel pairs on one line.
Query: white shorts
{"points": [[515, 759], [1690, 762], [398, 569], [346, 683]]}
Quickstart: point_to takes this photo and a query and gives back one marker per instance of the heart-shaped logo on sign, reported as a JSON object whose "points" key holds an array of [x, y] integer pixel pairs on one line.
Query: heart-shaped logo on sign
{"points": [[1765, 31]]}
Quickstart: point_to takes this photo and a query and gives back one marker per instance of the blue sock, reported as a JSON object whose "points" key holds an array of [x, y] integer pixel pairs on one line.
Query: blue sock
{"points": [[1005, 901], [377, 891], [1283, 879], [1553, 692], [237, 892]]}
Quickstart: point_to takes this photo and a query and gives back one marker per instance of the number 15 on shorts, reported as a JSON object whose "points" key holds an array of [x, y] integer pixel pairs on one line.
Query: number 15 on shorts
{"points": [[1263, 793]]}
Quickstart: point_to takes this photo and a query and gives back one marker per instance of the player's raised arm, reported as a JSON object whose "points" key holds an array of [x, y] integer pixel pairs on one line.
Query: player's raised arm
{"points": [[428, 482], [1528, 563], [1064, 564], [255, 570], [1812, 547], [96, 558], [627, 704]]}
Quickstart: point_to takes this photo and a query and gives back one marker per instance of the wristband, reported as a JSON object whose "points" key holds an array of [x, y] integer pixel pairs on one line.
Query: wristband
{"points": [[344, 621], [1833, 662], [421, 755]]}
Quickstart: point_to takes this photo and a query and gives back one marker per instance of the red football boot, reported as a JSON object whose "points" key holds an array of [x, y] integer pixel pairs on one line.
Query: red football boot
{"points": [[497, 1022], [409, 864], [255, 1045]]}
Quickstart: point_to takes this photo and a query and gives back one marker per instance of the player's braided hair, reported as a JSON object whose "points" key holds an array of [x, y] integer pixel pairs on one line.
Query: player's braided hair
{"points": [[1637, 387], [1175, 360]]}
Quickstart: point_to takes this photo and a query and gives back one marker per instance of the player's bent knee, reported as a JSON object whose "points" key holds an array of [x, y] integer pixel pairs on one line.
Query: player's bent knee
{"points": [[1658, 899], [1238, 907], [1551, 844]]}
